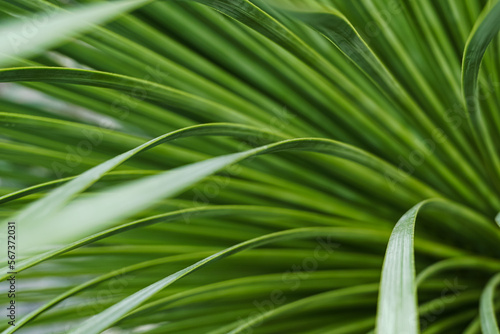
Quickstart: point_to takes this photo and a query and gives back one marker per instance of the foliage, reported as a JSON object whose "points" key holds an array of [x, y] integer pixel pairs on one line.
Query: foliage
{"points": [[248, 166]]}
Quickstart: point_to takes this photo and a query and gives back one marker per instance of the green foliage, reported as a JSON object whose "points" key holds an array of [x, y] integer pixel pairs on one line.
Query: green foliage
{"points": [[249, 166]]}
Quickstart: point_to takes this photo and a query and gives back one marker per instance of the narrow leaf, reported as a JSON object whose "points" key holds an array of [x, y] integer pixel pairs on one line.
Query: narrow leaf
{"points": [[487, 311], [397, 306], [25, 38], [111, 315]]}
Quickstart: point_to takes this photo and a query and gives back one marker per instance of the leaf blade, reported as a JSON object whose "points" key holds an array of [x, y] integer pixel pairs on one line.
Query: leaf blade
{"points": [[48, 29], [487, 311]]}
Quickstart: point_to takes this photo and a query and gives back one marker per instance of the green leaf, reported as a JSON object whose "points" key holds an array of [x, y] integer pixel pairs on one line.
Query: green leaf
{"points": [[113, 314], [397, 305], [487, 310], [25, 38], [186, 214], [154, 91], [311, 303], [485, 29], [335, 27], [124, 200], [372, 86], [54, 201]]}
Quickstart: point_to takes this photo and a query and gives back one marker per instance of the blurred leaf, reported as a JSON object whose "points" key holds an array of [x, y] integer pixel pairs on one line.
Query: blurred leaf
{"points": [[25, 38]]}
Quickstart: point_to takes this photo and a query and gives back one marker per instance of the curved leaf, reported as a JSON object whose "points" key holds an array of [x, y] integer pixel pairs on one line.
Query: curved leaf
{"points": [[125, 202], [47, 27], [54, 201], [301, 305], [113, 314], [170, 96], [397, 306], [487, 310], [485, 29], [211, 211]]}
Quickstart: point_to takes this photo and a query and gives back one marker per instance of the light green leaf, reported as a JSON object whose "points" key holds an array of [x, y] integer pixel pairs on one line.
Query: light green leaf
{"points": [[104, 209], [44, 208], [397, 306], [125, 202], [397, 303], [25, 38], [487, 310]]}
